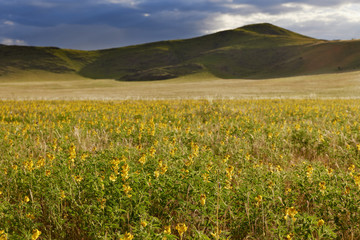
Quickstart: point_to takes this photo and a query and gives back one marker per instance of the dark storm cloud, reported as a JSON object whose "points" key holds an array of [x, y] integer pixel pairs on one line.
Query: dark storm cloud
{"points": [[92, 24]]}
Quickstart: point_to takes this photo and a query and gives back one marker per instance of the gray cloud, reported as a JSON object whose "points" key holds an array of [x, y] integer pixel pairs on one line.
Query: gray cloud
{"points": [[94, 24]]}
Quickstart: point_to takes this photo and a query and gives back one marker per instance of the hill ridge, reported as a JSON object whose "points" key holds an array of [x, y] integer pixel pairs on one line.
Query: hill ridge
{"points": [[255, 51]]}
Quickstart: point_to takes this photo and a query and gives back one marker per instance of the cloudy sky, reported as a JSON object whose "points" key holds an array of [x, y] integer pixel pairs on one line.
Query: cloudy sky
{"points": [[98, 24]]}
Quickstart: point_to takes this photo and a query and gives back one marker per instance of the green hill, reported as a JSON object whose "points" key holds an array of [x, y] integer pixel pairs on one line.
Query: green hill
{"points": [[254, 51]]}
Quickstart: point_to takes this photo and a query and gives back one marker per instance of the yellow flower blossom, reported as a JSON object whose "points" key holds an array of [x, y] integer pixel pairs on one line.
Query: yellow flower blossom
{"points": [[351, 169], [143, 223], [322, 187], [102, 203], [258, 200], [289, 236], [77, 178], [205, 177], [216, 235], [35, 234], [30, 216], [330, 171], [127, 189], [271, 184], [127, 236], [290, 212], [167, 229], [229, 172], [113, 177], [181, 228], [142, 160], [125, 171], [3, 235], [320, 223], [26, 199], [202, 199], [347, 190], [309, 171], [357, 180], [163, 167], [62, 195]]}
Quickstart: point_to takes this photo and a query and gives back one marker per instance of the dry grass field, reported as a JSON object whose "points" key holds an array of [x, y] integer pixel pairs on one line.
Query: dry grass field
{"points": [[38, 85]]}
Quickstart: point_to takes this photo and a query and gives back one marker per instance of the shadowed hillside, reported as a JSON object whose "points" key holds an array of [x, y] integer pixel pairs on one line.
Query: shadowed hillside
{"points": [[254, 51]]}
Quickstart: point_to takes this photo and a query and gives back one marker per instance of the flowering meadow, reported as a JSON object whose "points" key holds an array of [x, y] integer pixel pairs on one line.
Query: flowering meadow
{"points": [[180, 169]]}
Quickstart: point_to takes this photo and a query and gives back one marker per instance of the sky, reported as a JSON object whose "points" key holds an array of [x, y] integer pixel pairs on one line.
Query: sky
{"points": [[100, 24]]}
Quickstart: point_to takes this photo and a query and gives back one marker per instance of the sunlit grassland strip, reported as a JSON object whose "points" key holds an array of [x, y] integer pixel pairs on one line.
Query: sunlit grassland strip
{"points": [[72, 87]]}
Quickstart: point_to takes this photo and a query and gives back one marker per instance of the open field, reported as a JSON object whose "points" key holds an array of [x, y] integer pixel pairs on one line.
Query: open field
{"points": [[180, 169], [38, 85]]}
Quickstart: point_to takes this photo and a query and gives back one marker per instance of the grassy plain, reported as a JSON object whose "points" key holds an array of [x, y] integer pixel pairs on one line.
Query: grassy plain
{"points": [[41, 85], [180, 169]]}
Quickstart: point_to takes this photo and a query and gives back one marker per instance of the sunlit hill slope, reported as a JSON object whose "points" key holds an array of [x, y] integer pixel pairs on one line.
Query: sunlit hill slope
{"points": [[255, 51]]}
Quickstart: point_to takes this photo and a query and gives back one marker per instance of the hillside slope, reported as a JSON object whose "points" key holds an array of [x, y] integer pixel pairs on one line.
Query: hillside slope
{"points": [[254, 51]]}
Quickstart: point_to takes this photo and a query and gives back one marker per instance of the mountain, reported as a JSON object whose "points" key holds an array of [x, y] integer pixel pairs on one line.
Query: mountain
{"points": [[256, 51]]}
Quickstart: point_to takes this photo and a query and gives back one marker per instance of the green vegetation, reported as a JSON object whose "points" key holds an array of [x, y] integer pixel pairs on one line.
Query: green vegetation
{"points": [[249, 169], [258, 51]]}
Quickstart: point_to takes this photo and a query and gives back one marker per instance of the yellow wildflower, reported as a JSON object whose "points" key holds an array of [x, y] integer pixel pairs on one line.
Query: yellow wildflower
{"points": [[102, 203], [3, 235], [125, 171], [127, 236], [112, 177], [216, 235], [258, 200], [142, 160], [347, 190], [62, 194], [72, 152], [309, 171], [202, 199], [322, 186], [30, 216], [77, 178], [289, 236], [320, 223], [40, 163], [229, 172], [351, 169], [357, 180], [181, 228], [163, 168], [127, 189], [330, 171], [290, 212], [35, 234], [26, 199], [143, 223], [271, 184], [167, 229], [205, 177], [152, 151], [156, 174], [188, 162]]}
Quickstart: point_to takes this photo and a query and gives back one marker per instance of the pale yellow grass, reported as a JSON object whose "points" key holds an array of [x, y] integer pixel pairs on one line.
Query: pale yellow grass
{"points": [[36, 85]]}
